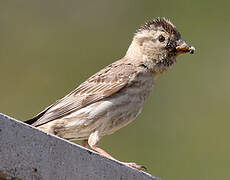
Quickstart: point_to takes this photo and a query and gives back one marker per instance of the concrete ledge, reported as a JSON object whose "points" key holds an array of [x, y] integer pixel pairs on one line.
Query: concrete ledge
{"points": [[27, 153]]}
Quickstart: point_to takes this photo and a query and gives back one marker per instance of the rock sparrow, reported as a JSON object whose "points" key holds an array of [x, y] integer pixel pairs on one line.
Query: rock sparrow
{"points": [[113, 97]]}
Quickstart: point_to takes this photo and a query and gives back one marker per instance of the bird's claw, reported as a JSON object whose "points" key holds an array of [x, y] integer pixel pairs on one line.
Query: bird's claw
{"points": [[134, 165]]}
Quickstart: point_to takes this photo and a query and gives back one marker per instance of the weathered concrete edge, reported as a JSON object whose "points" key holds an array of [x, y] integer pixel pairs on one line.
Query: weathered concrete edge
{"points": [[26, 152]]}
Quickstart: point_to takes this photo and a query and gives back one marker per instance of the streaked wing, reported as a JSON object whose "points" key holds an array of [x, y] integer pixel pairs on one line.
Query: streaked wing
{"points": [[103, 84]]}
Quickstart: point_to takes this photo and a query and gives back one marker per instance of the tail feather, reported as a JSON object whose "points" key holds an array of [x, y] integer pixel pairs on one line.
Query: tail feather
{"points": [[31, 121], [37, 117]]}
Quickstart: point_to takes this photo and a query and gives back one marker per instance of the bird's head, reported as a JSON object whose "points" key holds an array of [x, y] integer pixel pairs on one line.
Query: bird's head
{"points": [[159, 41]]}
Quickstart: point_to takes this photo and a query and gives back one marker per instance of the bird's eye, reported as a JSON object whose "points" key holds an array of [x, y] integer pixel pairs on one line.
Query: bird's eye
{"points": [[161, 38]]}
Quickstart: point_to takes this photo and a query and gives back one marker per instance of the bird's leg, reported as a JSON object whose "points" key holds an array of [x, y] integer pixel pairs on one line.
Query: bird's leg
{"points": [[104, 153]]}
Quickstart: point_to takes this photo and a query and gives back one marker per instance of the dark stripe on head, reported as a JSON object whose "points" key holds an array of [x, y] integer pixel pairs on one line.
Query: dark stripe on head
{"points": [[160, 22]]}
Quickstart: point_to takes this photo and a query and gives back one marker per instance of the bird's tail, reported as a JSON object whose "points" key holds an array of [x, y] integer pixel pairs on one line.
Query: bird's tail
{"points": [[37, 117], [31, 121]]}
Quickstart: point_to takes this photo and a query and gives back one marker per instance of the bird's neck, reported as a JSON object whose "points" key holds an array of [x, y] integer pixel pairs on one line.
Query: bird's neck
{"points": [[134, 51], [136, 56]]}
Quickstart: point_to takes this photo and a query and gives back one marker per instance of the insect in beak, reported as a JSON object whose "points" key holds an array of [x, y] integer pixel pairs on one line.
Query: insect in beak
{"points": [[182, 48]]}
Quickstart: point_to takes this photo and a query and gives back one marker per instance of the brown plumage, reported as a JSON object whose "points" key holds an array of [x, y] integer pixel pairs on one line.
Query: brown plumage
{"points": [[114, 96], [160, 22]]}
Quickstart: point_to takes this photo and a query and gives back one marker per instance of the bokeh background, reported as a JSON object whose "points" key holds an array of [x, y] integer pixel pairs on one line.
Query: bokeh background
{"points": [[47, 48]]}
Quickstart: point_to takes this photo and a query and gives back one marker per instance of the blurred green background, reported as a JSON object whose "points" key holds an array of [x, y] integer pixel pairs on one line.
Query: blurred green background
{"points": [[47, 48]]}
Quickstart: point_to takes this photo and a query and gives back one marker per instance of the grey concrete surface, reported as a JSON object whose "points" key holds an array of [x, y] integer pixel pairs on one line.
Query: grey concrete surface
{"points": [[29, 154]]}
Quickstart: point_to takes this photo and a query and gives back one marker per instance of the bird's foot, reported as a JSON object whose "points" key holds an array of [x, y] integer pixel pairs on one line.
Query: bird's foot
{"points": [[104, 153], [134, 165]]}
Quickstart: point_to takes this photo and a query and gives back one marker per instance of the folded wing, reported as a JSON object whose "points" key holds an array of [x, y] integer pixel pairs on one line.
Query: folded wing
{"points": [[101, 85]]}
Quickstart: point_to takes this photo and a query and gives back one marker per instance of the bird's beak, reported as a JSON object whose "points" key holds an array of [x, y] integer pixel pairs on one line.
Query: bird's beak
{"points": [[182, 48]]}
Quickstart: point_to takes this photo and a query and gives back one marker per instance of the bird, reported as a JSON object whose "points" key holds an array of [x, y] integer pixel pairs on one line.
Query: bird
{"points": [[115, 96]]}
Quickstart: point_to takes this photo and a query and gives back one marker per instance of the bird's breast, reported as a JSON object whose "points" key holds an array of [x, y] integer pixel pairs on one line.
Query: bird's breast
{"points": [[128, 103]]}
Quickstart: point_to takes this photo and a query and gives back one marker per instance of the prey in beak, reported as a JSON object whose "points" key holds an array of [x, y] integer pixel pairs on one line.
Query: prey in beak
{"points": [[182, 48]]}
